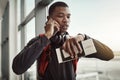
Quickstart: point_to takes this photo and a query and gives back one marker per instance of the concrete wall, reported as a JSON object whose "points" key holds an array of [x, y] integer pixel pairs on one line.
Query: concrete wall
{"points": [[0, 46]]}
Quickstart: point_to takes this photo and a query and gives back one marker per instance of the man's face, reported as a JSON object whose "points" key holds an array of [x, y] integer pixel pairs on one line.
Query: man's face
{"points": [[62, 16]]}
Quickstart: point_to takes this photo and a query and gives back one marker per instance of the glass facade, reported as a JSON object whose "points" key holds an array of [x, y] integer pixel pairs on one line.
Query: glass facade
{"points": [[29, 6], [30, 30]]}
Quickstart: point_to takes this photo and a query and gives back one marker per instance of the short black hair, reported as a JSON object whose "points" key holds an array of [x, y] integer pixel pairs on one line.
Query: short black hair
{"points": [[56, 4]]}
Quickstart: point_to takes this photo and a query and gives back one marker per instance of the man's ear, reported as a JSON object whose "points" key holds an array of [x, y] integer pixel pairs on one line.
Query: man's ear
{"points": [[48, 17]]}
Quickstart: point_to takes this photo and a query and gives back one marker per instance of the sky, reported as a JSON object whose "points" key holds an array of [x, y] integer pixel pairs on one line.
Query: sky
{"points": [[100, 19]]}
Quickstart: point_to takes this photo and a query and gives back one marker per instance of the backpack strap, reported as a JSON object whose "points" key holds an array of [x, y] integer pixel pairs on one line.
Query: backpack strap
{"points": [[44, 60]]}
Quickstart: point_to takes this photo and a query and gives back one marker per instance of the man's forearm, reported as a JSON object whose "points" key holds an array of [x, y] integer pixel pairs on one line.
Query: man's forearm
{"points": [[103, 51]]}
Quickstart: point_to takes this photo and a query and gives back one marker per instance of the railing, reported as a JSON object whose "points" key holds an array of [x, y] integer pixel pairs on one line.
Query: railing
{"points": [[87, 76]]}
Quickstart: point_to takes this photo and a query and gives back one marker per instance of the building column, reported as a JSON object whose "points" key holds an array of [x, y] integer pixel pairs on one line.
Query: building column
{"points": [[0, 46], [13, 29], [40, 15]]}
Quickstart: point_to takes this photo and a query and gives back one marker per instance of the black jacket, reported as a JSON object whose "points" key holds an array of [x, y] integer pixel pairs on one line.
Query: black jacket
{"points": [[54, 71]]}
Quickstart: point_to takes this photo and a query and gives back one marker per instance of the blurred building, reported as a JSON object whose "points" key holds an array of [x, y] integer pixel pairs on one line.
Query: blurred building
{"points": [[21, 20]]}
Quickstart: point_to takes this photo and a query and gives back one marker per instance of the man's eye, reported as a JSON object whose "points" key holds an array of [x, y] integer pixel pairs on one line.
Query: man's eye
{"points": [[68, 17], [60, 16]]}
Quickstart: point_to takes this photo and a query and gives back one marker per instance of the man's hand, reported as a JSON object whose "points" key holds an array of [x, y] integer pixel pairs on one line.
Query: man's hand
{"points": [[51, 28], [72, 46]]}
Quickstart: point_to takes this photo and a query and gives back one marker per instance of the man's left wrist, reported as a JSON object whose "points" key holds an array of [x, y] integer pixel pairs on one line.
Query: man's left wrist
{"points": [[80, 37]]}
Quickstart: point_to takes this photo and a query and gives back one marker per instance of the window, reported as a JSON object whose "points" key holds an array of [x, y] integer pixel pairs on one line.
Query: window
{"points": [[30, 30], [29, 6]]}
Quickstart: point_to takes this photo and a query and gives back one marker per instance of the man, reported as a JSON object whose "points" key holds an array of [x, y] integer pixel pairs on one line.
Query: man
{"points": [[55, 36]]}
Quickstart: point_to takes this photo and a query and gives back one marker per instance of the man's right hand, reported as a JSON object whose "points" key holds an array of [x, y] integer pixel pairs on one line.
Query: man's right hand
{"points": [[72, 45], [51, 28]]}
